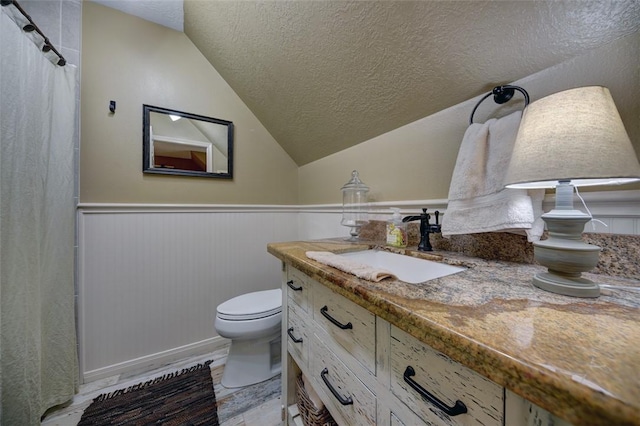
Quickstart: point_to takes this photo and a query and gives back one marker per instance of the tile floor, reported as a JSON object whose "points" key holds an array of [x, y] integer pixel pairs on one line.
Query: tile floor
{"points": [[254, 405]]}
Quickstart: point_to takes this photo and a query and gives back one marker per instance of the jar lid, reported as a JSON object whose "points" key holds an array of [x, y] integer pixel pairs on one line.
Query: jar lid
{"points": [[355, 183]]}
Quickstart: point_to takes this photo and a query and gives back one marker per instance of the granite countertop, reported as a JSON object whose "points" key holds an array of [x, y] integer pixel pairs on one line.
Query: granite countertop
{"points": [[577, 358]]}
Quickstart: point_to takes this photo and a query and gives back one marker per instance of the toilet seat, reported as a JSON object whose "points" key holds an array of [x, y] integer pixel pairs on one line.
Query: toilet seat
{"points": [[251, 306]]}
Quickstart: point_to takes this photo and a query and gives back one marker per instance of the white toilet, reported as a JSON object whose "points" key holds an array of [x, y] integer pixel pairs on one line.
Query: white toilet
{"points": [[253, 323]]}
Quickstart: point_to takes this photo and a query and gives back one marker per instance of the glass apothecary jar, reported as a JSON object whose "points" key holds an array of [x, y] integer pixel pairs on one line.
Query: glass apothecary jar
{"points": [[355, 206]]}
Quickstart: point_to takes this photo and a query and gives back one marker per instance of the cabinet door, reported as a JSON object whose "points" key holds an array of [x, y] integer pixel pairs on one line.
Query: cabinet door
{"points": [[440, 390]]}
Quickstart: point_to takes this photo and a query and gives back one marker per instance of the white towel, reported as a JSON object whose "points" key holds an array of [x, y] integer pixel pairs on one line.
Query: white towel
{"points": [[478, 200], [358, 269]]}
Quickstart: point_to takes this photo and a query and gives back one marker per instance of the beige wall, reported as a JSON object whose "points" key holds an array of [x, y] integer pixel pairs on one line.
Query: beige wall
{"points": [[133, 61], [415, 162], [136, 62]]}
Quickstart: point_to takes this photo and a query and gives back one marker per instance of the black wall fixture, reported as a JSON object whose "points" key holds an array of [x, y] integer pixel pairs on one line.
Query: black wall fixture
{"points": [[501, 95]]}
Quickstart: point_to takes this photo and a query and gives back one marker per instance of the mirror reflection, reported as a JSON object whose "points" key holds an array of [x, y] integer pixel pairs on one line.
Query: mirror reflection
{"points": [[180, 143]]}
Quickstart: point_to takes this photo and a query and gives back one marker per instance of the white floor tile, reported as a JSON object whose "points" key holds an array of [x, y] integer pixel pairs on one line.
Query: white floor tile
{"points": [[68, 419], [236, 421], [267, 414]]}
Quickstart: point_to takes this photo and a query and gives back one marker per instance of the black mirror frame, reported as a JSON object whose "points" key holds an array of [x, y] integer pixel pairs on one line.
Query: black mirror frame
{"points": [[146, 144]]}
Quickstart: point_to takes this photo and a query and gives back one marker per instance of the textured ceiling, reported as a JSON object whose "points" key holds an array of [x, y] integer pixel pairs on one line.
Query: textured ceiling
{"points": [[326, 75]]}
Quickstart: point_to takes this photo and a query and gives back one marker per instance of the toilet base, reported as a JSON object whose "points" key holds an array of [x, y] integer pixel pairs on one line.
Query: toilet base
{"points": [[252, 361]]}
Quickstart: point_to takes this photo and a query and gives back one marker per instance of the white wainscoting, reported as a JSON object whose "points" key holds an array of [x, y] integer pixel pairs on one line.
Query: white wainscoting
{"points": [[618, 210], [150, 276]]}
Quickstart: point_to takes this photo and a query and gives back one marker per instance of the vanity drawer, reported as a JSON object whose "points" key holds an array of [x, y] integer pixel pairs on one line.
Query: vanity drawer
{"points": [[347, 324], [298, 288], [298, 334], [409, 418], [341, 390], [446, 381], [395, 421]]}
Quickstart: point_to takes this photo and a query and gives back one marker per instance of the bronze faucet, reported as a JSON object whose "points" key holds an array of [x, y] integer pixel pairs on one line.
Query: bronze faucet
{"points": [[425, 228]]}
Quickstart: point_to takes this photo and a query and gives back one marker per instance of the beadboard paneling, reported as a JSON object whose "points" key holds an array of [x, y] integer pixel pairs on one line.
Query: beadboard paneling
{"points": [[150, 280], [319, 223], [150, 276], [619, 212]]}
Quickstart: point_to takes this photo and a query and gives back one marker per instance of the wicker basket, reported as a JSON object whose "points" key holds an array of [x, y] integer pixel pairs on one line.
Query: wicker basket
{"points": [[311, 416]]}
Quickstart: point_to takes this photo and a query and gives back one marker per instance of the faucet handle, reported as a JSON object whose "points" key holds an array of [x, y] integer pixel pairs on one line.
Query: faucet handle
{"points": [[437, 213]]}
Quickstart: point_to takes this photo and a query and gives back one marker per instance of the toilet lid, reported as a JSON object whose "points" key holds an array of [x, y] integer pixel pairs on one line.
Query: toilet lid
{"points": [[254, 305]]}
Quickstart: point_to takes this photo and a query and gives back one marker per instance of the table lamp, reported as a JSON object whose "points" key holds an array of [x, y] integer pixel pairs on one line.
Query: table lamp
{"points": [[569, 139]]}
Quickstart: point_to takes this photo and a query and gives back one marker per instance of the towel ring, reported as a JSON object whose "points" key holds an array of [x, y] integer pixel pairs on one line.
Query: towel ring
{"points": [[501, 95]]}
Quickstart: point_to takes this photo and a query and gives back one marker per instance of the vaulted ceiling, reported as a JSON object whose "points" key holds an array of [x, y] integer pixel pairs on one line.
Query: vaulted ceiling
{"points": [[322, 76]]}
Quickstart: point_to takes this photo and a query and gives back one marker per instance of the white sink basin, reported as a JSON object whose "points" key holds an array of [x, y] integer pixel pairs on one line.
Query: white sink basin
{"points": [[406, 268]]}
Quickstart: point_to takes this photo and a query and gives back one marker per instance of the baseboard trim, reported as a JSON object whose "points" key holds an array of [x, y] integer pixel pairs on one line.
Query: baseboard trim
{"points": [[152, 361]]}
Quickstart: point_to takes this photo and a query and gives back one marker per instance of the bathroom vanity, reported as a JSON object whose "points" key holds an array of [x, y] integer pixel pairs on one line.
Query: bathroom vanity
{"points": [[480, 347]]}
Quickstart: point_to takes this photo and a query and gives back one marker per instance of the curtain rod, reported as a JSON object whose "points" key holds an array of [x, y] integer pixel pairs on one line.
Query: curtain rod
{"points": [[31, 26]]}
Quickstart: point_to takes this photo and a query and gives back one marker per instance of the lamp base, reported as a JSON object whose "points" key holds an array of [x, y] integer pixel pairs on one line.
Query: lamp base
{"points": [[564, 253], [568, 286]]}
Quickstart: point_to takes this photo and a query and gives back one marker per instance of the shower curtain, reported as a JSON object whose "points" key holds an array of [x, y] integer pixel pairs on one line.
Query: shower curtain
{"points": [[38, 361]]}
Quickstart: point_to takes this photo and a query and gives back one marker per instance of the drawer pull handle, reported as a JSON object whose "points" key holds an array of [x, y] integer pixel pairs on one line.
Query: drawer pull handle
{"points": [[458, 408], [293, 287], [295, 339], [334, 321], [340, 398]]}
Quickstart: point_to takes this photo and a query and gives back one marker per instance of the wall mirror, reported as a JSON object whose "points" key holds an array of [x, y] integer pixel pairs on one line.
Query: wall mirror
{"points": [[180, 143]]}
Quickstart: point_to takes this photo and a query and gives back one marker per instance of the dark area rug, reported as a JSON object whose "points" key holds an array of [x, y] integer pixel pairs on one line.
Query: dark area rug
{"points": [[183, 398]]}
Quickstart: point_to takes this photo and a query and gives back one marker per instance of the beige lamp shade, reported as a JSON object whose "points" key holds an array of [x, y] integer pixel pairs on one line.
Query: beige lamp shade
{"points": [[574, 135]]}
